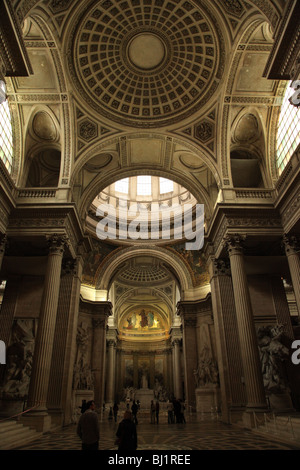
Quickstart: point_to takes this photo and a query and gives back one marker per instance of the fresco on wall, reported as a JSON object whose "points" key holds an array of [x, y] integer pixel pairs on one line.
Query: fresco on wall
{"points": [[195, 260], [96, 256], [143, 322]]}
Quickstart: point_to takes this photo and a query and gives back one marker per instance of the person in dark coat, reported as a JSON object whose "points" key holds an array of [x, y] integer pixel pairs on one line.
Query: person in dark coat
{"points": [[134, 410], [126, 433], [88, 427]]}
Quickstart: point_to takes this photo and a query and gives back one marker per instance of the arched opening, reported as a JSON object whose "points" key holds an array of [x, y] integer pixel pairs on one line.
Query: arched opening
{"points": [[288, 130], [6, 131]]}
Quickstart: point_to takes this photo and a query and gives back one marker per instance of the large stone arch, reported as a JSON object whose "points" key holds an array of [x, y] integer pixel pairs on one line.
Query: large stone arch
{"points": [[117, 169], [106, 270]]}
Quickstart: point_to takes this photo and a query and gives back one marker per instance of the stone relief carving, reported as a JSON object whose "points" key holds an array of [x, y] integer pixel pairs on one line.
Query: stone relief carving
{"points": [[82, 375], [206, 372], [19, 360], [273, 353], [207, 368]]}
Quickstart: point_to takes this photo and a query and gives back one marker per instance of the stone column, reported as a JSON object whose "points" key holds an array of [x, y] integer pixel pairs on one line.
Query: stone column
{"points": [[189, 324], [64, 349], [170, 379], [39, 382], [99, 349], [292, 244], [256, 400], [177, 369], [230, 365], [110, 372], [135, 359], [152, 370]]}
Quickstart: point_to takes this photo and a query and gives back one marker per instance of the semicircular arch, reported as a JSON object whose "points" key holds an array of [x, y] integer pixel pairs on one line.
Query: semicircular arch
{"points": [[106, 270]]}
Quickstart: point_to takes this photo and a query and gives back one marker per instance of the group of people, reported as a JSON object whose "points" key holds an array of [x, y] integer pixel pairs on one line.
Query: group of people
{"points": [[126, 435], [88, 429], [175, 410]]}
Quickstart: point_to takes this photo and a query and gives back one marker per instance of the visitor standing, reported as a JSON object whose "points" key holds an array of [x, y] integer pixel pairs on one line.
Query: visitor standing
{"points": [[126, 433], [177, 408], [88, 428], [170, 410], [157, 411], [182, 408], [134, 410], [115, 411], [152, 412]]}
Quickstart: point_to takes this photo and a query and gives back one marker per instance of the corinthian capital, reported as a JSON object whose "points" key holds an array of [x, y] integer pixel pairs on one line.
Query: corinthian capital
{"points": [[3, 242], [234, 244], [57, 244], [291, 244], [221, 267]]}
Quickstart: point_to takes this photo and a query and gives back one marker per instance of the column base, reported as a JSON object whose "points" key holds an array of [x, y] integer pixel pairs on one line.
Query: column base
{"points": [[207, 398], [38, 420], [249, 419]]}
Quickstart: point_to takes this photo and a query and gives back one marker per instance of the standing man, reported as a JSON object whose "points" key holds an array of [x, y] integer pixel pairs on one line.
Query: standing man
{"points": [[157, 411], [88, 428], [134, 410]]}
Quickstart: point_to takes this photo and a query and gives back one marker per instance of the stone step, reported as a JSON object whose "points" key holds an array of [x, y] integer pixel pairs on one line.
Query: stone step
{"points": [[282, 427], [14, 434]]}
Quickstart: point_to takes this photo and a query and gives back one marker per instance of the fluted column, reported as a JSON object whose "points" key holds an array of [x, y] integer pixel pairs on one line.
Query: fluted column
{"points": [[177, 382], [189, 323], [292, 244], [64, 347], [227, 340], [135, 358], [39, 382], [248, 340], [110, 372], [99, 350]]}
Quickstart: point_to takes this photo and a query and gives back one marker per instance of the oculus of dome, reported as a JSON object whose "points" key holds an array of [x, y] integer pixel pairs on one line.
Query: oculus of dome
{"points": [[146, 51]]}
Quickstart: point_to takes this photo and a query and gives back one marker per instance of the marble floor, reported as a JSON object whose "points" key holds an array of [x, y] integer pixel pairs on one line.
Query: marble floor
{"points": [[195, 434]]}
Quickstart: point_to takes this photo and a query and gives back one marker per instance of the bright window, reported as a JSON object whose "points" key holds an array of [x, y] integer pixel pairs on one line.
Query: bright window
{"points": [[122, 186], [6, 139], [288, 134], [165, 186], [144, 185]]}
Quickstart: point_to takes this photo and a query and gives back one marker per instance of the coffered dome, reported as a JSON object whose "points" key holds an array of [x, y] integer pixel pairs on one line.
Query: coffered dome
{"points": [[144, 274], [146, 63]]}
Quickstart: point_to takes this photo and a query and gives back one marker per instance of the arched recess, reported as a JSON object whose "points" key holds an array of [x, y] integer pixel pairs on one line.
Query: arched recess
{"points": [[134, 291], [43, 149], [47, 85], [248, 150], [166, 163], [106, 271], [246, 88]]}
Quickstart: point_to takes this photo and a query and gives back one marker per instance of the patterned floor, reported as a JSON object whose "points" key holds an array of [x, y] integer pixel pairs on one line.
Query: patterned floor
{"points": [[194, 435]]}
